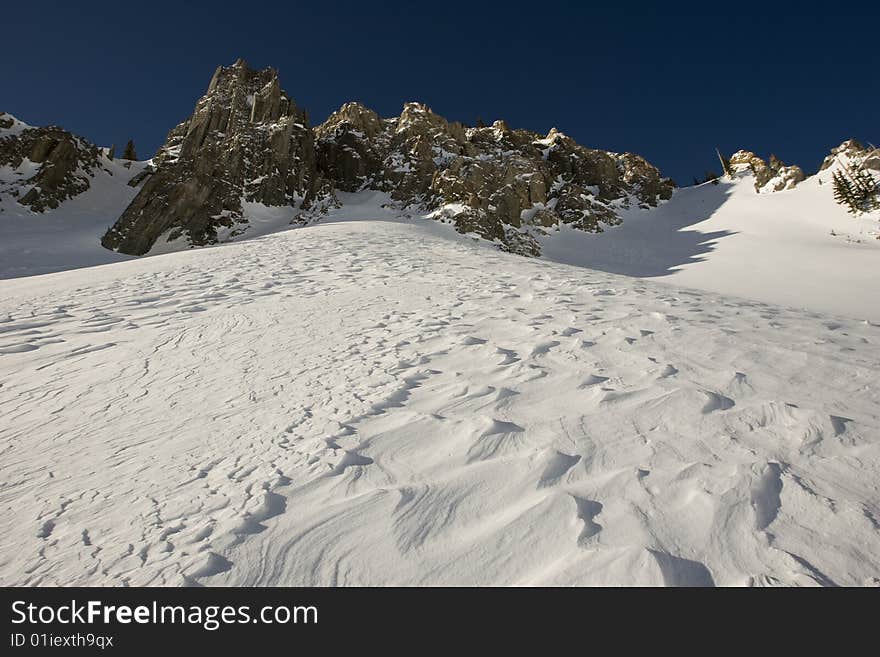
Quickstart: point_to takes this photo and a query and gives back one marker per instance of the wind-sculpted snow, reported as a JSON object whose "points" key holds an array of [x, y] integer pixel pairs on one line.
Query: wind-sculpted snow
{"points": [[371, 403]]}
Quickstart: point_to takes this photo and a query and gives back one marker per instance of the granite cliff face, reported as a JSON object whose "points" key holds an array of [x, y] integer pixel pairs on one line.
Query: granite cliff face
{"points": [[246, 141], [49, 164]]}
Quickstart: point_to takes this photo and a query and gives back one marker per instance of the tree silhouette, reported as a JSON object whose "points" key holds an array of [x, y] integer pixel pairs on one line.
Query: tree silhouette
{"points": [[129, 152], [857, 189]]}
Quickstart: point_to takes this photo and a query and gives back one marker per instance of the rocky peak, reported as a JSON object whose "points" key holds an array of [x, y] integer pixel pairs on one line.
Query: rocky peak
{"points": [[848, 149], [248, 141], [418, 126], [770, 176], [351, 117], [553, 136], [501, 183], [49, 165], [7, 123], [245, 141], [414, 113], [348, 149], [852, 152]]}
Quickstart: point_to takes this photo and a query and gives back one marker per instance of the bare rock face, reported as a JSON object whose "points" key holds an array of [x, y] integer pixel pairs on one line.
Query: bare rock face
{"points": [[347, 148], [770, 176], [505, 185], [246, 141], [51, 165]]}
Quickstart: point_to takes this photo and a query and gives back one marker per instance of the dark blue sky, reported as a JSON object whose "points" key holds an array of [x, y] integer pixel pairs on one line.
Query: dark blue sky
{"points": [[668, 83]]}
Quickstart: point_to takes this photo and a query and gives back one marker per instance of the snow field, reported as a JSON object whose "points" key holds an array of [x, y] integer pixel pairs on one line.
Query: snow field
{"points": [[373, 403]]}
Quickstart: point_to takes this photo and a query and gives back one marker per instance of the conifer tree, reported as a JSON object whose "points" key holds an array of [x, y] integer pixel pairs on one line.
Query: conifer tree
{"points": [[844, 192], [129, 153], [866, 188], [857, 189]]}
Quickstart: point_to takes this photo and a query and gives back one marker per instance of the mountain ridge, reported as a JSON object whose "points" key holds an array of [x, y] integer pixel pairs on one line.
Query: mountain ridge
{"points": [[248, 147], [500, 183]]}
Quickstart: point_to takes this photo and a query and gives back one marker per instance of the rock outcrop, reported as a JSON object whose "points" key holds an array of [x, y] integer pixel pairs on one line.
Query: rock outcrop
{"points": [[50, 165], [771, 175], [246, 141], [503, 184], [852, 152]]}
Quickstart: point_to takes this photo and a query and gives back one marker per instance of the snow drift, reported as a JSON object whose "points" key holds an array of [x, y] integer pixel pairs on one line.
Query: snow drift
{"points": [[376, 403]]}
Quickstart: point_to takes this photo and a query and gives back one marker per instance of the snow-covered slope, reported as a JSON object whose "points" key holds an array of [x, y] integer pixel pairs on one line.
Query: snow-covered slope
{"points": [[795, 247], [375, 403], [68, 236]]}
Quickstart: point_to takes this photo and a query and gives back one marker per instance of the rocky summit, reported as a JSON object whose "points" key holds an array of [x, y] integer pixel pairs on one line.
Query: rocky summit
{"points": [[248, 142], [853, 153], [50, 164], [771, 175], [500, 183]]}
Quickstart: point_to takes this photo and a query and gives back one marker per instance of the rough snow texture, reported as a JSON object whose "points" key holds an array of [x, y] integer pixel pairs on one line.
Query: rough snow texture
{"points": [[376, 403]]}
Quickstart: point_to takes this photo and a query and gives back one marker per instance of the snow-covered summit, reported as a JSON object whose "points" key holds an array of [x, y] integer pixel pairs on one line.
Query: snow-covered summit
{"points": [[769, 176], [852, 153], [11, 126]]}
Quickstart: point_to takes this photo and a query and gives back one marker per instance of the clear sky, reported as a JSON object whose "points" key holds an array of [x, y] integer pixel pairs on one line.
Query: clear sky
{"points": [[669, 81]]}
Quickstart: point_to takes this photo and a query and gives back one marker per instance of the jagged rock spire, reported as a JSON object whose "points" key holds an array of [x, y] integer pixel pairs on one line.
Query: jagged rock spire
{"points": [[246, 140]]}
